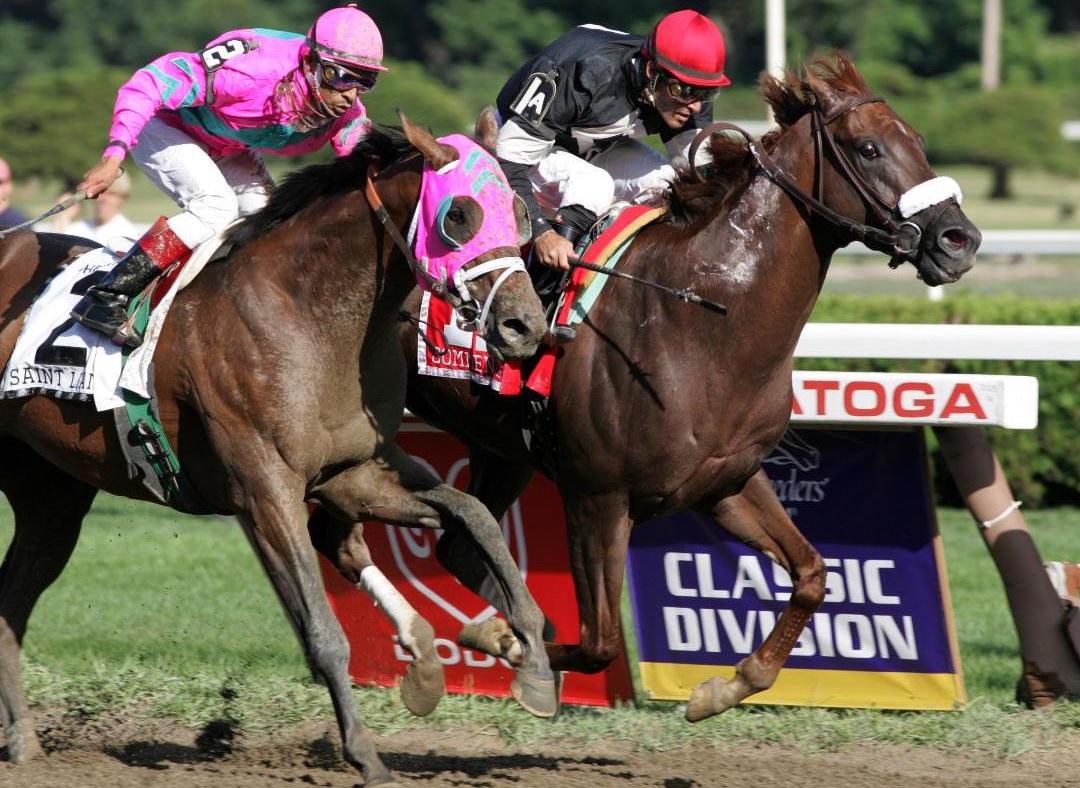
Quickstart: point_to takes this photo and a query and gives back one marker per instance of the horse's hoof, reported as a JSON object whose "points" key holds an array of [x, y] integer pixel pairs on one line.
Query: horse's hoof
{"points": [[24, 747], [538, 696], [424, 683], [711, 697], [423, 686], [492, 636], [382, 781]]}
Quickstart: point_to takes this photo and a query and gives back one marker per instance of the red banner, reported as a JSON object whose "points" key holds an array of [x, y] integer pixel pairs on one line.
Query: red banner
{"points": [[534, 527]]}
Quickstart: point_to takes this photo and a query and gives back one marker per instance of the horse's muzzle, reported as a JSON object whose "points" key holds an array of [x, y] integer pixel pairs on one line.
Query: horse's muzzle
{"points": [[949, 245]]}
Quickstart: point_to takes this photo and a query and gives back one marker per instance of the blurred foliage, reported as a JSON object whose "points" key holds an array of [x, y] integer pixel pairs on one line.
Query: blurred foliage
{"points": [[56, 122], [452, 57], [1042, 465], [408, 87]]}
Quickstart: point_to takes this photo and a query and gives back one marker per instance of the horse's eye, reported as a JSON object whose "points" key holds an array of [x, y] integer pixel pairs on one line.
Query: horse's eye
{"points": [[456, 215], [868, 150]]}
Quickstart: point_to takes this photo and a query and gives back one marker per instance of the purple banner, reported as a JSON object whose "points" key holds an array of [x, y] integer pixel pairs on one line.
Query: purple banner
{"points": [[700, 597]]}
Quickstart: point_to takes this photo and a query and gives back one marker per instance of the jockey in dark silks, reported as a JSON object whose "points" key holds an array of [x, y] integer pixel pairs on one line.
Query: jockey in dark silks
{"points": [[573, 114]]}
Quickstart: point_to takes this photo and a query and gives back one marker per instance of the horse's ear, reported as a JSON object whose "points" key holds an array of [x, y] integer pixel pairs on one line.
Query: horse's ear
{"points": [[813, 83], [437, 154], [487, 129], [524, 224]]}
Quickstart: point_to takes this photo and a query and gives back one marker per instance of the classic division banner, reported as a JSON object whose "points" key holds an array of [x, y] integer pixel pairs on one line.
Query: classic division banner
{"points": [[536, 532], [883, 636]]}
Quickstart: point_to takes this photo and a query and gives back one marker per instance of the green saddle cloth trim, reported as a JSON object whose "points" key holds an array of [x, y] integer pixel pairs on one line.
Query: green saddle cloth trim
{"points": [[147, 432], [588, 295]]}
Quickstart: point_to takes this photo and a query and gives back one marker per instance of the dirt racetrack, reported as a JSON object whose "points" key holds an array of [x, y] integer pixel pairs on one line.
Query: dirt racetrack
{"points": [[123, 753]]}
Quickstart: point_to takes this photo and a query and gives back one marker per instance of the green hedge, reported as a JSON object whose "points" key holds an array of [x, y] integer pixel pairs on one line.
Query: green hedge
{"points": [[1042, 465]]}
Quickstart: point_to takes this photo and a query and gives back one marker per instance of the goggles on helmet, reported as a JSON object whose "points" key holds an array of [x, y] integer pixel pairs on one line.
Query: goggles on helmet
{"points": [[687, 94], [337, 77]]}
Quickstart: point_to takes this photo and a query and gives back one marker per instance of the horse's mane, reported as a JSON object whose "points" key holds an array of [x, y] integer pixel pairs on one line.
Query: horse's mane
{"points": [[383, 145], [732, 166]]}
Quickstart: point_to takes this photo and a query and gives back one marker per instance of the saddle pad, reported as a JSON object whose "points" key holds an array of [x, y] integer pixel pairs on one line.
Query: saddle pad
{"points": [[58, 357], [606, 250]]}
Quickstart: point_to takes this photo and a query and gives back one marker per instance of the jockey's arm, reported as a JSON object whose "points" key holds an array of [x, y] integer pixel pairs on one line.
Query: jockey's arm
{"points": [[173, 81], [519, 149]]}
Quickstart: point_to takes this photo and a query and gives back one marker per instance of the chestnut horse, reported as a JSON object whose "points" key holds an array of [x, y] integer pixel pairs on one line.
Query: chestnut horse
{"points": [[660, 407], [267, 403]]}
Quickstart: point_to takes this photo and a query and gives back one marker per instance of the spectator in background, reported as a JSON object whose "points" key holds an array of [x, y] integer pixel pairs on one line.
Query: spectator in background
{"points": [[108, 226], [9, 216]]}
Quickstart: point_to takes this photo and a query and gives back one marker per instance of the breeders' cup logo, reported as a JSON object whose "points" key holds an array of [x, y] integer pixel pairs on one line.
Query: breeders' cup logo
{"points": [[414, 554], [795, 455]]}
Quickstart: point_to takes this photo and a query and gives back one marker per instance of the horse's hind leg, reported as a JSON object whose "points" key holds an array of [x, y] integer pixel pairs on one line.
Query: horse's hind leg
{"points": [[49, 507], [757, 517], [344, 546], [397, 489]]}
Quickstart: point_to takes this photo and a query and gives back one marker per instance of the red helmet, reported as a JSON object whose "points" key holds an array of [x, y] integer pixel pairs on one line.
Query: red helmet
{"points": [[690, 47]]}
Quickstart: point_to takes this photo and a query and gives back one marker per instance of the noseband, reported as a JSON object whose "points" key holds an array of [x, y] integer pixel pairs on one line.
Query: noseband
{"points": [[457, 294], [898, 239]]}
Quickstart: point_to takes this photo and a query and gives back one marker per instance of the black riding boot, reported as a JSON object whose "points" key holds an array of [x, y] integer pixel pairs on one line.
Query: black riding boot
{"points": [[571, 222], [104, 307]]}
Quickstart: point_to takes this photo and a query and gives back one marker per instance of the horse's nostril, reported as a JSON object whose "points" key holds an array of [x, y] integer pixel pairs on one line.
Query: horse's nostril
{"points": [[955, 240], [515, 326]]}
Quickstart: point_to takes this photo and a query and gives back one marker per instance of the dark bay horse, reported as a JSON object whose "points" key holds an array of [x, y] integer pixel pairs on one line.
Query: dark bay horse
{"points": [[268, 403], [659, 406]]}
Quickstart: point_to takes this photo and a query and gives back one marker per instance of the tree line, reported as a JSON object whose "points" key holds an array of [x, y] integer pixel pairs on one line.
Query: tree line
{"points": [[61, 62]]}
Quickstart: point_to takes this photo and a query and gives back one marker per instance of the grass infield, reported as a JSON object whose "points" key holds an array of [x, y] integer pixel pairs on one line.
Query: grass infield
{"points": [[167, 615]]}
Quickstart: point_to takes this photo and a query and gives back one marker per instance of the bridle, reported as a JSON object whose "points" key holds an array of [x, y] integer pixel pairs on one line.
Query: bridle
{"points": [[456, 292], [898, 238]]}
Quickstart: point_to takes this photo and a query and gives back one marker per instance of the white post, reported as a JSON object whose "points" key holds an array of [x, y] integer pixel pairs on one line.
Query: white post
{"points": [[991, 44], [775, 41]]}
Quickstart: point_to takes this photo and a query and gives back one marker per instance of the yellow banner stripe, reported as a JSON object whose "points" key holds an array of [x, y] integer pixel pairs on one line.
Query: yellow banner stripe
{"points": [[859, 689]]}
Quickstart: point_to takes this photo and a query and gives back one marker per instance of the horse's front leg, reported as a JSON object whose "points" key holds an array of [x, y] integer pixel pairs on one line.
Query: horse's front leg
{"points": [[758, 519], [343, 545], [276, 524], [395, 488]]}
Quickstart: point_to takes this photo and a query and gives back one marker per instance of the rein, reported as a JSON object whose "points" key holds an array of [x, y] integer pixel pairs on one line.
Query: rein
{"points": [[899, 240], [473, 314]]}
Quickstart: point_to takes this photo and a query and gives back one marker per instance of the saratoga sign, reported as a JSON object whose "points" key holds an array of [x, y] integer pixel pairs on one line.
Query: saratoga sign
{"points": [[883, 636], [912, 398]]}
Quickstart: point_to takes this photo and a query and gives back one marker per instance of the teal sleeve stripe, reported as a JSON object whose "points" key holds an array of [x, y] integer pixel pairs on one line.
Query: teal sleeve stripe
{"points": [[168, 85], [262, 31], [193, 94]]}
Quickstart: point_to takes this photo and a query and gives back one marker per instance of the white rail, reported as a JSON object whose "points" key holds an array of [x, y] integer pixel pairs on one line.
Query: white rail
{"points": [[1035, 242], [934, 341]]}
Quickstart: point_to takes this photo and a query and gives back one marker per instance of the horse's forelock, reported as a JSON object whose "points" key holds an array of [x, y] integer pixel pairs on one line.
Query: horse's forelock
{"points": [[788, 97]]}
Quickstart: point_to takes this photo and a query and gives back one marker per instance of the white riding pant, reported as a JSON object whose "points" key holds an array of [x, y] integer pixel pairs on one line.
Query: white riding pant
{"points": [[628, 171], [211, 192]]}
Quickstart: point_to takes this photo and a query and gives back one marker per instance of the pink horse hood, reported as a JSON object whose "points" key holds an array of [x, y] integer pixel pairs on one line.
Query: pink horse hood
{"points": [[474, 173]]}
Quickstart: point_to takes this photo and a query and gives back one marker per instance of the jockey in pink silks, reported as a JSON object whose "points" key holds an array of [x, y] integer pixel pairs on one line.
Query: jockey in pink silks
{"points": [[197, 123]]}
